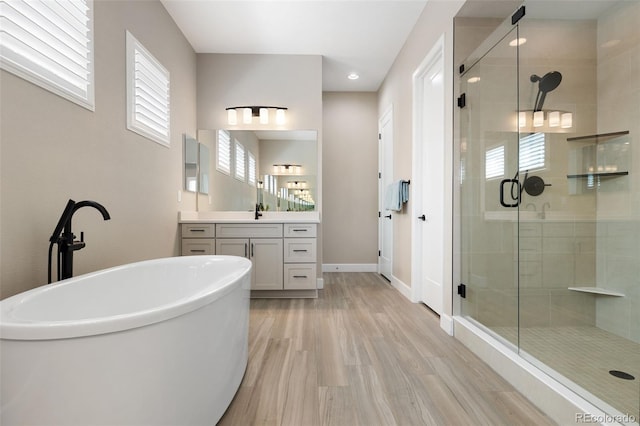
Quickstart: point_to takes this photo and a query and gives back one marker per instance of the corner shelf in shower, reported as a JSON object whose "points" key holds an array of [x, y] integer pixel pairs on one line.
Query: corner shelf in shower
{"points": [[597, 290]]}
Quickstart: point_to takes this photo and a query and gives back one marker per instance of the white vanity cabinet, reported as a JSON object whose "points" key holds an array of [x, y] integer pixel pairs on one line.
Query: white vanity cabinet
{"points": [[283, 255], [198, 239], [300, 256]]}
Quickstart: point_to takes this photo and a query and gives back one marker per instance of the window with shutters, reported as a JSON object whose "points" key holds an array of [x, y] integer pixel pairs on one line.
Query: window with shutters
{"points": [[494, 162], [251, 169], [148, 112], [223, 152], [50, 43], [532, 152], [240, 173]]}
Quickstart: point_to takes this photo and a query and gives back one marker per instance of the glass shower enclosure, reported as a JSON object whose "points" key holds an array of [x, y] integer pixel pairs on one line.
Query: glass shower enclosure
{"points": [[549, 194]]}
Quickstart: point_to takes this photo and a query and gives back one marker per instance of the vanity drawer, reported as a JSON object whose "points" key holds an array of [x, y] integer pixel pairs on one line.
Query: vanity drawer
{"points": [[198, 230], [300, 230], [198, 246], [249, 230], [300, 250], [300, 276]]}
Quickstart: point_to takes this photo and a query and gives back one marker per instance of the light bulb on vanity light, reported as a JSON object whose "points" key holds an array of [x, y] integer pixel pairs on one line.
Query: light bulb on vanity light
{"points": [[232, 116], [522, 119], [264, 116], [538, 119], [280, 116], [246, 115], [554, 119]]}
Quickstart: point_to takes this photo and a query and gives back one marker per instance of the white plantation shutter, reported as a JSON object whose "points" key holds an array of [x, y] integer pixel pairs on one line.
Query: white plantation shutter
{"points": [[240, 162], [148, 103], [532, 151], [494, 162], [223, 157], [251, 177], [50, 43]]}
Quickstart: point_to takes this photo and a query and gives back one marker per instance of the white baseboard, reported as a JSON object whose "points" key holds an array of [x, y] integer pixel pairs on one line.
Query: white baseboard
{"points": [[404, 289], [349, 267], [446, 323]]}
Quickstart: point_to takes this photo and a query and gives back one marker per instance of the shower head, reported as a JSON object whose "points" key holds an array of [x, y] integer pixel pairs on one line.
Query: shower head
{"points": [[548, 82]]}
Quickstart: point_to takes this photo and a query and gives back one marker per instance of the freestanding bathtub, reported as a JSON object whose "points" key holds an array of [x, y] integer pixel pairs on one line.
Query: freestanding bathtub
{"points": [[160, 342]]}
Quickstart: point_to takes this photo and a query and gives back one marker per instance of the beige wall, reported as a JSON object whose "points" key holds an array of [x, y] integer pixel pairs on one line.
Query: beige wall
{"points": [[436, 19], [350, 168], [53, 150]]}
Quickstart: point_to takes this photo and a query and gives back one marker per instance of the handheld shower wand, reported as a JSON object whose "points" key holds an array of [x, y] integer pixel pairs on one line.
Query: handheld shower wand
{"points": [[548, 82]]}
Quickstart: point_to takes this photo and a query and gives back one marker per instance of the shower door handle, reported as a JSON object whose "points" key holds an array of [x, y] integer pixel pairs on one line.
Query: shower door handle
{"points": [[502, 183]]}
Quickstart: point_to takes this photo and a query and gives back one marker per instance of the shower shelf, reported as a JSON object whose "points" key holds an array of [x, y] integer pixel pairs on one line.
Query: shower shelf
{"points": [[597, 290], [601, 174], [594, 140], [602, 137]]}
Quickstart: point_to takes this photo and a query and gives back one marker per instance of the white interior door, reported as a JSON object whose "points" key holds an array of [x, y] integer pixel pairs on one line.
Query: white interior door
{"points": [[428, 186], [385, 177]]}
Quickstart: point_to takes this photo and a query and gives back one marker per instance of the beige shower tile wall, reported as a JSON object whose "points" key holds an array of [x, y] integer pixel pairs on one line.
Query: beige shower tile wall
{"points": [[553, 257], [618, 245], [565, 258]]}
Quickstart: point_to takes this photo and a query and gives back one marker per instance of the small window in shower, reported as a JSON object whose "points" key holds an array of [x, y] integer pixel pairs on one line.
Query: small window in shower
{"points": [[494, 163], [532, 152]]}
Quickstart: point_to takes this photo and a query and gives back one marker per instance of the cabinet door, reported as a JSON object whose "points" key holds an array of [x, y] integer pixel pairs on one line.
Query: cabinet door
{"points": [[233, 246], [267, 257]]}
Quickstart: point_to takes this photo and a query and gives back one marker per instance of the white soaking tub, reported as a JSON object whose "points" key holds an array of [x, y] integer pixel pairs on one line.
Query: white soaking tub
{"points": [[160, 342]]}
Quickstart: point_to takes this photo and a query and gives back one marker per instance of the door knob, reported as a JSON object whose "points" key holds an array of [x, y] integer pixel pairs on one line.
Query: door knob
{"points": [[388, 217], [422, 218]]}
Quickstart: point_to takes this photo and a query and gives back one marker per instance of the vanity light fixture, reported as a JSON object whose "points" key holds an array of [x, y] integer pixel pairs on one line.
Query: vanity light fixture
{"points": [[297, 184], [262, 112], [287, 169], [544, 120]]}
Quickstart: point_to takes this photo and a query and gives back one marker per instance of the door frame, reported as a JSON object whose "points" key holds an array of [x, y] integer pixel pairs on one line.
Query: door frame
{"points": [[436, 53], [387, 116]]}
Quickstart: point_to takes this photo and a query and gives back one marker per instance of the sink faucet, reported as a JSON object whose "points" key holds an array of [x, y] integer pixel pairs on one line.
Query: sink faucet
{"points": [[64, 237], [543, 215], [258, 214]]}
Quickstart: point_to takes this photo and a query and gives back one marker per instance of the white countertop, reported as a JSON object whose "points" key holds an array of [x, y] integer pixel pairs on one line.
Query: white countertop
{"points": [[248, 217]]}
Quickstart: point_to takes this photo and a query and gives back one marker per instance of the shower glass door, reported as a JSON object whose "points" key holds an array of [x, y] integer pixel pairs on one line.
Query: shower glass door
{"points": [[488, 164], [549, 208], [579, 240]]}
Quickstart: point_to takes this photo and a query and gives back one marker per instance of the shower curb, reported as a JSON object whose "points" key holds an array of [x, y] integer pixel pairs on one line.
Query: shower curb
{"points": [[558, 402]]}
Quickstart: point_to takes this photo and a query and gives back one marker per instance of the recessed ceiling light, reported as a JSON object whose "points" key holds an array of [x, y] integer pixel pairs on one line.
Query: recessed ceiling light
{"points": [[353, 76], [517, 41]]}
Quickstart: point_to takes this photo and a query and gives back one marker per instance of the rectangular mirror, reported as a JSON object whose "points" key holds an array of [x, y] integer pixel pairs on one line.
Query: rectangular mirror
{"points": [[190, 164], [196, 166], [276, 169], [203, 168]]}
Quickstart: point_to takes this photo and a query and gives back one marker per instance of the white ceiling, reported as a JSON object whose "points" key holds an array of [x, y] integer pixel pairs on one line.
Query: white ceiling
{"points": [[351, 35]]}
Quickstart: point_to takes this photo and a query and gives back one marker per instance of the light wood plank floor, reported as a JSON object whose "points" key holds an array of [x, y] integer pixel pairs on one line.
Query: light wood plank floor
{"points": [[362, 354]]}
